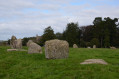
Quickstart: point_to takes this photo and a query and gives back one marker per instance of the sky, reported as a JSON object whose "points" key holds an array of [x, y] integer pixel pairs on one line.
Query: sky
{"points": [[26, 18]]}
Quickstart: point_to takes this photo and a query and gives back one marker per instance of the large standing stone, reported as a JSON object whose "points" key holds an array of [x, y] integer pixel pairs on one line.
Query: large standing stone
{"points": [[18, 44], [13, 42], [56, 49], [75, 46], [94, 46], [34, 48]]}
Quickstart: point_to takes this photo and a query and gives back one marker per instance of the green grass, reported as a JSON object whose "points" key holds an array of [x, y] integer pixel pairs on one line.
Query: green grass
{"points": [[20, 65]]}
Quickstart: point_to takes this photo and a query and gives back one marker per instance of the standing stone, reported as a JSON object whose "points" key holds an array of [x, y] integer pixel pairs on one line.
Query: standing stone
{"points": [[34, 48], [38, 38], [94, 46], [112, 47], [75, 46], [56, 49], [29, 42], [18, 44], [13, 42], [89, 47]]}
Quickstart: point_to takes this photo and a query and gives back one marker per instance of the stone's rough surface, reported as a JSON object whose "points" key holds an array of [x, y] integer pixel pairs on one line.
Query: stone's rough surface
{"points": [[29, 42], [56, 49], [94, 61], [94, 46], [112, 47], [18, 44], [13, 42], [75, 46], [34, 48]]}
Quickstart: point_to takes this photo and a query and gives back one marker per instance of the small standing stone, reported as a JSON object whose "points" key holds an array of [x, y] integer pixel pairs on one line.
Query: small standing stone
{"points": [[94, 46], [75, 46], [56, 49], [18, 44], [34, 48], [13, 42], [89, 47]]}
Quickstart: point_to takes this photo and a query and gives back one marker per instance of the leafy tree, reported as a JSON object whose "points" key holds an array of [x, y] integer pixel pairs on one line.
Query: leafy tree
{"points": [[88, 44], [25, 40], [86, 32], [48, 35], [8, 41], [107, 39], [59, 35], [99, 30], [97, 21], [95, 41], [82, 43], [111, 25], [72, 34]]}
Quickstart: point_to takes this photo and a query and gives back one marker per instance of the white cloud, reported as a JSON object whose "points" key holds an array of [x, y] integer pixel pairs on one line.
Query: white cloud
{"points": [[30, 17]]}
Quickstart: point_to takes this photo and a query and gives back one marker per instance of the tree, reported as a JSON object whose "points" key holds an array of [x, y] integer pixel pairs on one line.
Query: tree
{"points": [[107, 38], [88, 44], [95, 41], [86, 32], [99, 30], [25, 40], [48, 35], [82, 43], [97, 20], [59, 36], [72, 34], [8, 41], [111, 25]]}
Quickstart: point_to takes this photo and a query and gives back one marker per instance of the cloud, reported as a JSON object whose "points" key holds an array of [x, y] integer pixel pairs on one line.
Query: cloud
{"points": [[25, 18]]}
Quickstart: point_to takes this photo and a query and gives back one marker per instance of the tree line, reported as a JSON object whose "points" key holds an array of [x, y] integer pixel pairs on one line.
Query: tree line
{"points": [[103, 33]]}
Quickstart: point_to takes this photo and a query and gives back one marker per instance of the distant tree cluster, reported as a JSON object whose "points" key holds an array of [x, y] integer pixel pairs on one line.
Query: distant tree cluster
{"points": [[103, 33]]}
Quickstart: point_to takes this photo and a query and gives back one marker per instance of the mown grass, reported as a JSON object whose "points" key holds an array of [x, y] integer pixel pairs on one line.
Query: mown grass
{"points": [[20, 65]]}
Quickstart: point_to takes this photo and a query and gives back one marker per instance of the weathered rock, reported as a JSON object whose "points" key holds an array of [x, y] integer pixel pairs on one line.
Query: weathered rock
{"points": [[94, 61], [75, 46], [56, 49], [12, 50], [13, 42], [15, 50], [112, 47], [89, 47], [18, 44], [38, 38], [29, 42], [34, 48], [94, 46]]}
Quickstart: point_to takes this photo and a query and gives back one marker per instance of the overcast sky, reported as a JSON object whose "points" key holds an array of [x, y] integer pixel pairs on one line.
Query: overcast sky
{"points": [[25, 18]]}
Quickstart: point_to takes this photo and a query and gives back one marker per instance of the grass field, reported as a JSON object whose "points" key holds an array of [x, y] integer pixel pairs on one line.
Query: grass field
{"points": [[20, 65]]}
